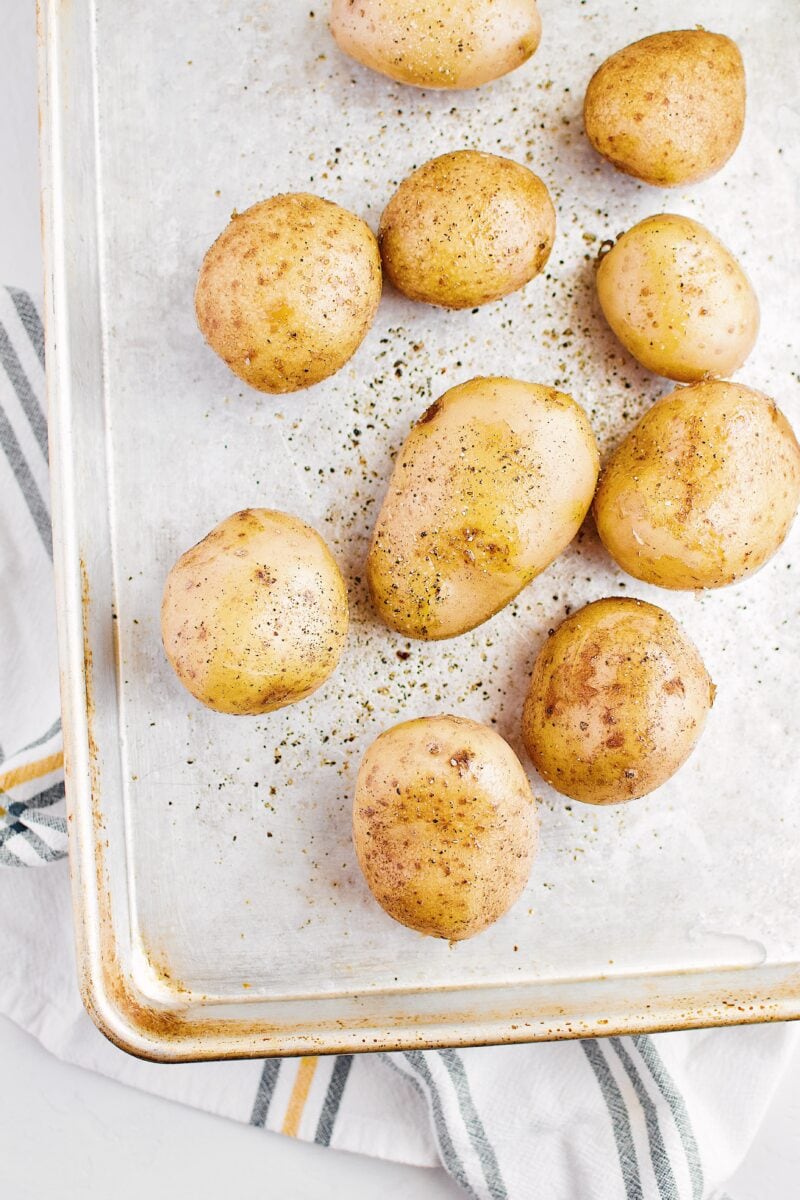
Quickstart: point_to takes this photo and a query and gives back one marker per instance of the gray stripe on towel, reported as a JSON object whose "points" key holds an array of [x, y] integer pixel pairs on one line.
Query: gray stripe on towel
{"points": [[29, 316], [266, 1086], [620, 1121], [674, 1099], [474, 1126], [33, 497], [452, 1162], [333, 1098], [662, 1168], [25, 393]]}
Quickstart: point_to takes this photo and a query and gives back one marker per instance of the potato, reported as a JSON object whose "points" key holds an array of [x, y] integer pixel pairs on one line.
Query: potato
{"points": [[670, 108], [438, 43], [491, 485], [617, 700], [444, 825], [466, 229], [254, 617], [678, 300], [288, 291], [703, 490]]}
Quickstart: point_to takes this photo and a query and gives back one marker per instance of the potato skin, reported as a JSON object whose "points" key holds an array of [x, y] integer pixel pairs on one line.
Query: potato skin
{"points": [[678, 300], [288, 291], [444, 825], [438, 43], [617, 700], [465, 229], [254, 617], [703, 490], [492, 483], [670, 108]]}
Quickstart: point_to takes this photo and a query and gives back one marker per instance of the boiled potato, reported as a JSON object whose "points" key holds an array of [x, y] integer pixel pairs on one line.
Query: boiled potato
{"points": [[254, 617], [703, 490], [678, 300], [438, 43], [617, 700], [466, 229], [444, 825], [491, 485], [288, 291], [670, 108]]}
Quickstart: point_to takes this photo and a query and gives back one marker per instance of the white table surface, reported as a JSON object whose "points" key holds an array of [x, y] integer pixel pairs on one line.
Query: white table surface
{"points": [[71, 1134]]}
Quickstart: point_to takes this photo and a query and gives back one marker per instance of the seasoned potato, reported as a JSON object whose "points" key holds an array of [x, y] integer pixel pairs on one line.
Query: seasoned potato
{"points": [[466, 229], [254, 617], [703, 490], [618, 698], [678, 300], [444, 825], [438, 43], [288, 291], [670, 108], [491, 485]]}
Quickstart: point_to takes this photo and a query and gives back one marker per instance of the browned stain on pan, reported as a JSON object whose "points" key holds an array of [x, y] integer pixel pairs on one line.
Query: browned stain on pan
{"points": [[164, 1026], [159, 965], [141, 1020], [235, 1039]]}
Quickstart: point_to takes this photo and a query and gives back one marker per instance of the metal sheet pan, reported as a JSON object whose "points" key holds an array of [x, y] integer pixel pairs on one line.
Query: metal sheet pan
{"points": [[219, 908]]}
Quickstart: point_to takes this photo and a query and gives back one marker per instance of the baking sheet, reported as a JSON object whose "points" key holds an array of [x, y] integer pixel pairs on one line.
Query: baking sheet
{"points": [[220, 908]]}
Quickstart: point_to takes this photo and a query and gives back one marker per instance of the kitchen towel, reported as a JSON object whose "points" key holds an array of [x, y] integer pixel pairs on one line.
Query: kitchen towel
{"points": [[663, 1117]]}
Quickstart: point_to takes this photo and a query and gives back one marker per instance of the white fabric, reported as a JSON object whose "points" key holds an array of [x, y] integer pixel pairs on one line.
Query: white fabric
{"points": [[667, 1117]]}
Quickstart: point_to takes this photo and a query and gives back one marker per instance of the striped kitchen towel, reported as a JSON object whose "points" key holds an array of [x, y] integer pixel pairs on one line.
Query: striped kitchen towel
{"points": [[667, 1117], [32, 823]]}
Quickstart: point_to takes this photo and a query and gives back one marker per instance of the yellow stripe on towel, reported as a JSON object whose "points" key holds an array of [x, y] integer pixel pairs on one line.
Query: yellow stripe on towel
{"points": [[32, 770], [297, 1100]]}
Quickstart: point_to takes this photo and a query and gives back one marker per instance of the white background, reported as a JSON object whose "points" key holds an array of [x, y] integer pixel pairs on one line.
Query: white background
{"points": [[69, 1133]]}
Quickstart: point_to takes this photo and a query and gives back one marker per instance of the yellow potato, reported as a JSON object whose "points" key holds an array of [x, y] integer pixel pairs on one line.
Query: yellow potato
{"points": [[444, 825], [466, 229], [678, 300], [438, 43], [703, 490], [491, 485], [670, 108], [254, 617], [288, 291], [617, 700]]}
